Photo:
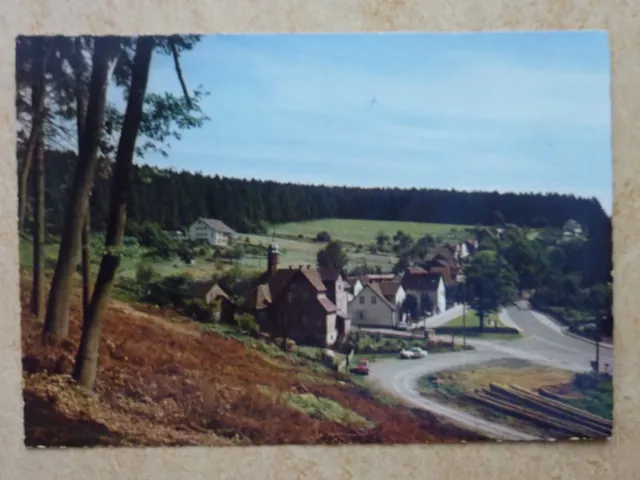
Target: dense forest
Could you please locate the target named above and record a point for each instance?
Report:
(175, 199)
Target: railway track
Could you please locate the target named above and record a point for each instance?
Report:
(563, 419)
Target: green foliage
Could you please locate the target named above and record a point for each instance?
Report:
(490, 283)
(200, 311)
(236, 281)
(168, 291)
(402, 243)
(598, 392)
(145, 273)
(527, 257)
(248, 323)
(129, 289)
(364, 343)
(333, 255)
(383, 242)
(323, 236)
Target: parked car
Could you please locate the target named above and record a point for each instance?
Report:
(419, 352)
(402, 326)
(362, 367)
(406, 354)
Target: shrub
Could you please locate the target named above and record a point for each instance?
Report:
(323, 236)
(131, 288)
(50, 263)
(145, 272)
(200, 311)
(248, 323)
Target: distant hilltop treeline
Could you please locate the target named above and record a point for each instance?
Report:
(175, 199)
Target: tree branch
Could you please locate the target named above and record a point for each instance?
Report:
(176, 61)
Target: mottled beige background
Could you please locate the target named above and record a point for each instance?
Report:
(619, 458)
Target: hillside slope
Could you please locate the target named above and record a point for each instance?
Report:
(166, 382)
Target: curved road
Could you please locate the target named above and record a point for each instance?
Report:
(544, 343)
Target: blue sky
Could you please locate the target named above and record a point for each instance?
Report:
(483, 111)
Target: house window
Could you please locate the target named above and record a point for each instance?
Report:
(362, 300)
(373, 300)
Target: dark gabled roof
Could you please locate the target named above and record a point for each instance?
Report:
(199, 289)
(267, 289)
(389, 288)
(327, 304)
(424, 282)
(217, 225)
(447, 275)
(314, 279)
(415, 271)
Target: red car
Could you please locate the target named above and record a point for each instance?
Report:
(363, 367)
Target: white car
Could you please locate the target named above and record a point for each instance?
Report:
(406, 354)
(419, 352)
(402, 326)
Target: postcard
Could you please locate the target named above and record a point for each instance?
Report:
(273, 239)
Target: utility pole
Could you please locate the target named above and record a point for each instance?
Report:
(598, 333)
(464, 316)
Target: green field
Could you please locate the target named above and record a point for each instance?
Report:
(296, 246)
(364, 231)
(472, 321)
(304, 252)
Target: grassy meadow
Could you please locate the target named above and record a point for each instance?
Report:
(296, 242)
(364, 231)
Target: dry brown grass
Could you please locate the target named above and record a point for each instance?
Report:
(163, 382)
(511, 371)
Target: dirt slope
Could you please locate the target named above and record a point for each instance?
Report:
(167, 383)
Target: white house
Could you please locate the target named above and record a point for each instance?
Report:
(213, 231)
(370, 308)
(427, 285)
(572, 229)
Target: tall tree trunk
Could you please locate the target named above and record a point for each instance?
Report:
(86, 365)
(38, 291)
(79, 68)
(41, 54)
(86, 265)
(105, 53)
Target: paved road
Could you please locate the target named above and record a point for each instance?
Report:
(548, 340)
(400, 378)
(544, 343)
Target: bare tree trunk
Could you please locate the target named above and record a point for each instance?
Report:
(86, 265)
(38, 291)
(41, 56)
(104, 58)
(86, 365)
(79, 68)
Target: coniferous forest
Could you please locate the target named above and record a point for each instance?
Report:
(174, 199)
